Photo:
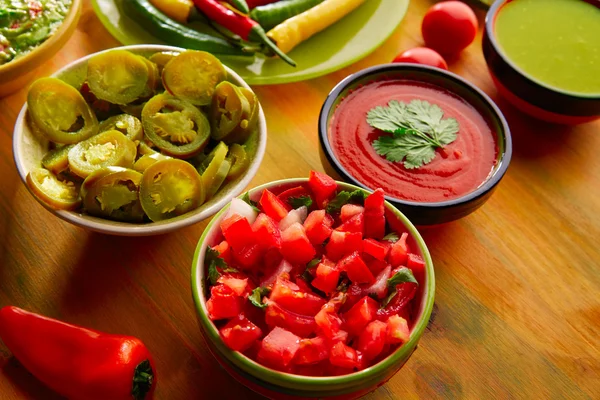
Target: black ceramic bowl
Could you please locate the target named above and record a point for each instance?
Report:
(423, 213)
(527, 94)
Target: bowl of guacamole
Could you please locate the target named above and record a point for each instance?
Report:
(32, 31)
(544, 57)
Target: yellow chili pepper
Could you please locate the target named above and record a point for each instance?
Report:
(295, 30)
(179, 10)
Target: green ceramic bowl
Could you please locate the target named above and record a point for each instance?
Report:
(279, 385)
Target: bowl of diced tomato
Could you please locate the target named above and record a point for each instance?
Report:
(312, 288)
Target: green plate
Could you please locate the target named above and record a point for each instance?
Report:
(343, 43)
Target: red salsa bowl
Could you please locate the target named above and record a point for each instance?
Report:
(544, 57)
(455, 171)
(274, 319)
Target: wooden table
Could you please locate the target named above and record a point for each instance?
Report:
(518, 282)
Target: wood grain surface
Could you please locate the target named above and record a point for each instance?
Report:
(517, 312)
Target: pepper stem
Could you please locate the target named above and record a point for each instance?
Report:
(143, 378)
(262, 37)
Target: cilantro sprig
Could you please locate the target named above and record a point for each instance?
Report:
(216, 266)
(417, 129)
(253, 204)
(403, 275)
(345, 197)
(257, 295)
(297, 202)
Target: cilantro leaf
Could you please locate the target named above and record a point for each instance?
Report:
(391, 237)
(216, 263)
(417, 129)
(345, 197)
(257, 295)
(246, 198)
(313, 263)
(403, 275)
(297, 202)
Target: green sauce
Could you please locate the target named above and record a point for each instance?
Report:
(25, 24)
(555, 42)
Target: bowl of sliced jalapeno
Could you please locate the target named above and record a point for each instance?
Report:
(139, 140)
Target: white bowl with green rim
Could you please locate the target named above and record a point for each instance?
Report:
(280, 385)
(29, 149)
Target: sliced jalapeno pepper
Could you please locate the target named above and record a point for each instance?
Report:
(193, 76)
(147, 160)
(62, 195)
(170, 188)
(117, 76)
(175, 126)
(153, 78)
(145, 148)
(239, 160)
(134, 109)
(213, 173)
(60, 112)
(162, 58)
(113, 192)
(226, 110)
(248, 121)
(106, 149)
(57, 160)
(127, 124)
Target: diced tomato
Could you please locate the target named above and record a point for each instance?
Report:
(375, 215)
(237, 231)
(318, 369)
(312, 351)
(375, 266)
(397, 330)
(344, 356)
(372, 339)
(318, 226)
(295, 246)
(224, 251)
(405, 293)
(266, 232)
(355, 268)
(240, 334)
(303, 286)
(248, 256)
(283, 267)
(295, 192)
(399, 252)
(350, 210)
(380, 287)
(322, 186)
(273, 206)
(279, 347)
(271, 259)
(415, 263)
(329, 322)
(360, 315)
(354, 224)
(223, 303)
(289, 296)
(376, 249)
(238, 286)
(353, 295)
(301, 325)
(327, 276)
(343, 243)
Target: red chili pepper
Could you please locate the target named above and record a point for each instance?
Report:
(239, 24)
(255, 3)
(75, 362)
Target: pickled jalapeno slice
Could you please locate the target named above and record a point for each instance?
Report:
(113, 193)
(106, 149)
(213, 170)
(162, 58)
(249, 119)
(193, 76)
(239, 160)
(147, 160)
(226, 110)
(62, 195)
(117, 76)
(60, 112)
(170, 188)
(153, 78)
(175, 126)
(57, 160)
(127, 124)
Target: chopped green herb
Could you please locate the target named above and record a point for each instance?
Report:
(215, 262)
(313, 263)
(345, 197)
(297, 202)
(417, 129)
(257, 295)
(403, 275)
(246, 198)
(343, 286)
(391, 237)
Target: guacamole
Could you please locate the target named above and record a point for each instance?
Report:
(25, 24)
(555, 42)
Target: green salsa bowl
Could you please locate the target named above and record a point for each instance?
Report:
(544, 57)
(279, 385)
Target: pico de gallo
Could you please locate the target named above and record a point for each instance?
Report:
(25, 24)
(311, 281)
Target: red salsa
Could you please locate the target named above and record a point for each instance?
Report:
(457, 169)
(312, 281)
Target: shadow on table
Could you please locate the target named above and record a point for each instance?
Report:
(104, 268)
(28, 385)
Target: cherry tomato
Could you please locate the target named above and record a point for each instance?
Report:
(449, 27)
(422, 55)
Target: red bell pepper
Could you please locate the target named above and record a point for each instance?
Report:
(240, 24)
(75, 362)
